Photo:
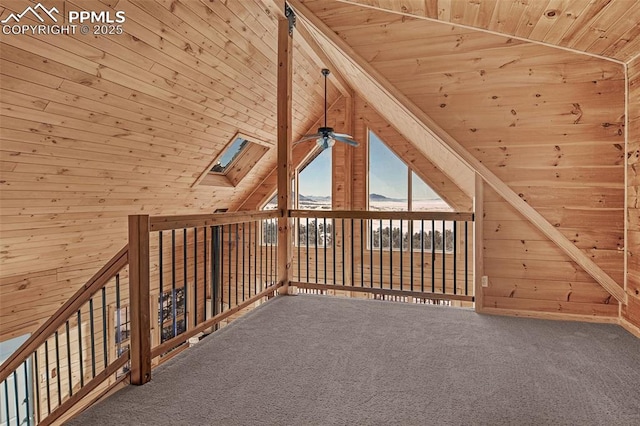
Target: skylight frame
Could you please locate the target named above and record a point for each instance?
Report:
(242, 150)
(255, 146)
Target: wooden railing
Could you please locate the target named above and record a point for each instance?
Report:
(178, 278)
(194, 273)
(423, 255)
(75, 356)
(182, 277)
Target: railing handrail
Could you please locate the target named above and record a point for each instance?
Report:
(384, 215)
(164, 223)
(99, 279)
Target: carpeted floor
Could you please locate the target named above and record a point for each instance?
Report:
(313, 360)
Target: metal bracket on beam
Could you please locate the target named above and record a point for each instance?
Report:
(288, 13)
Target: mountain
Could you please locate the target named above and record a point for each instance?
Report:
(378, 197)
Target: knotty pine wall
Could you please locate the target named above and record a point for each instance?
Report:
(632, 311)
(548, 122)
(94, 128)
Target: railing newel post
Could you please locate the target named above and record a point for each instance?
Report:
(139, 299)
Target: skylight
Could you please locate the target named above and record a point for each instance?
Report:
(230, 154)
(236, 161)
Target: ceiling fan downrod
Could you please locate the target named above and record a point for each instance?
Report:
(325, 73)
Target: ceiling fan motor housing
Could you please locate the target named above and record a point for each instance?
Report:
(325, 130)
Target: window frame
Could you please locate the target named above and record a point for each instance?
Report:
(210, 178)
(409, 195)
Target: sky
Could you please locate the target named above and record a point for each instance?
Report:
(315, 179)
(387, 175)
(230, 152)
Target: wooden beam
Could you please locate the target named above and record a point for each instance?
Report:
(285, 133)
(163, 223)
(309, 45)
(435, 142)
(386, 291)
(139, 299)
(478, 243)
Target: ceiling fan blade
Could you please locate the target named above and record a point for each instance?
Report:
(343, 135)
(348, 141)
(308, 138)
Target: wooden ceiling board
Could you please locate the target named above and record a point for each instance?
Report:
(93, 129)
(600, 27)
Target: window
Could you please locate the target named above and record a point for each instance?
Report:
(272, 204)
(388, 178)
(123, 327)
(172, 309)
(314, 182)
(311, 189)
(122, 322)
(234, 162)
(229, 155)
(393, 186)
(16, 395)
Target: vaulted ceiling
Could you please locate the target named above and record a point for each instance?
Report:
(606, 28)
(96, 127)
(540, 123)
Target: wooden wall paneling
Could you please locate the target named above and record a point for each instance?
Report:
(95, 129)
(631, 312)
(333, 42)
(342, 163)
(478, 244)
(214, 42)
(557, 28)
(612, 21)
(522, 263)
(308, 64)
(301, 110)
(360, 172)
(210, 73)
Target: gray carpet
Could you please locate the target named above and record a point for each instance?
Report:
(314, 360)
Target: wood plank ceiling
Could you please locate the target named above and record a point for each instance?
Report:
(548, 122)
(94, 128)
(606, 28)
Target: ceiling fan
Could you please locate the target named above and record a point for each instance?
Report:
(326, 137)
